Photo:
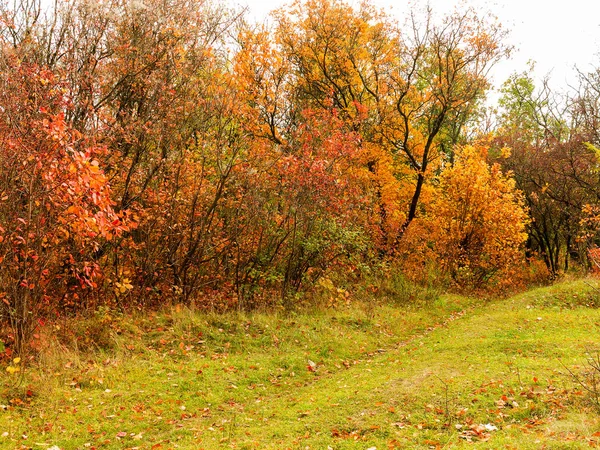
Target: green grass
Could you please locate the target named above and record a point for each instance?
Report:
(451, 373)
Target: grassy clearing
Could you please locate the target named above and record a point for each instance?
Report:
(450, 372)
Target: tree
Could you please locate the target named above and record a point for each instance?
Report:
(408, 92)
(55, 201)
(551, 164)
(481, 218)
(474, 228)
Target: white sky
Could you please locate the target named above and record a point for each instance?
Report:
(556, 34)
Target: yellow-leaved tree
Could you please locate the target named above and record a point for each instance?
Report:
(481, 219)
(475, 226)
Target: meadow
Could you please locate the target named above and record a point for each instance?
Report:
(440, 371)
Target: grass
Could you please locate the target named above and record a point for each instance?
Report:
(452, 372)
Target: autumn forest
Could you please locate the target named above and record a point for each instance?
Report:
(173, 152)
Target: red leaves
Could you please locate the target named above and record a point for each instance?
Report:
(478, 432)
(57, 206)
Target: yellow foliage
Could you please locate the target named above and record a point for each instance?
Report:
(475, 224)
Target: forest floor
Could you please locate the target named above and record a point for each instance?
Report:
(448, 372)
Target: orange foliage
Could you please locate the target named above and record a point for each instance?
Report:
(142, 147)
(55, 201)
(476, 225)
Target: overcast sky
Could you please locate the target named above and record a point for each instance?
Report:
(556, 34)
